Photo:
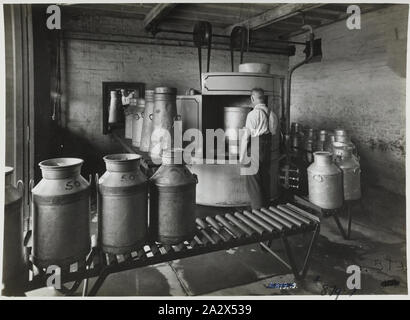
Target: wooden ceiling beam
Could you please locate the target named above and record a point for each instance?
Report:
(157, 13)
(276, 14)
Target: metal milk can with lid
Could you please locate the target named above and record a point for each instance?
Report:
(61, 234)
(129, 117)
(234, 119)
(325, 182)
(138, 122)
(148, 121)
(114, 108)
(351, 175)
(123, 193)
(172, 200)
(165, 113)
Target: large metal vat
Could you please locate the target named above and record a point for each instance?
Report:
(325, 182)
(15, 272)
(351, 175)
(172, 200)
(254, 67)
(124, 204)
(147, 123)
(222, 185)
(138, 122)
(61, 234)
(234, 119)
(165, 113)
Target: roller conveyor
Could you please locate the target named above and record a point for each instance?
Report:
(214, 233)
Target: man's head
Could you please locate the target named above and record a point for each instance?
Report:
(257, 96)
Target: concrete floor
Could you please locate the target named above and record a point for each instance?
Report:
(378, 246)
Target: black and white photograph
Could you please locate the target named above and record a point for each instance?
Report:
(239, 150)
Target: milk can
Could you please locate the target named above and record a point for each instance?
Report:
(325, 182)
(137, 123)
(343, 141)
(351, 175)
(234, 119)
(113, 109)
(165, 113)
(61, 234)
(321, 141)
(309, 144)
(172, 200)
(129, 117)
(124, 209)
(296, 137)
(147, 123)
(15, 272)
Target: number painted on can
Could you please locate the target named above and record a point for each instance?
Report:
(71, 184)
(126, 177)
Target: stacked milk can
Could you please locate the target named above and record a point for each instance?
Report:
(153, 121)
(334, 175)
(132, 210)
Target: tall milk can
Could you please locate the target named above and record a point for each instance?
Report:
(147, 123)
(165, 113)
(61, 234)
(172, 200)
(137, 122)
(124, 208)
(351, 174)
(15, 272)
(234, 120)
(129, 118)
(325, 182)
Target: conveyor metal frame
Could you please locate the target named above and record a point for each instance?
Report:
(235, 232)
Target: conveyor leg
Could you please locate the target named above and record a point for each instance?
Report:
(100, 280)
(290, 258)
(309, 251)
(299, 275)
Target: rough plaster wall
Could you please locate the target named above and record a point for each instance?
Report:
(360, 85)
(88, 63)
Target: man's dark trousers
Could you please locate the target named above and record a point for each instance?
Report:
(258, 184)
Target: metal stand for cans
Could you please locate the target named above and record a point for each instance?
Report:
(214, 233)
(347, 206)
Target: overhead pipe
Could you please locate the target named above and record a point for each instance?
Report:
(256, 39)
(288, 85)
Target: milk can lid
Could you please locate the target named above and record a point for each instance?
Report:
(141, 103)
(8, 170)
(340, 132)
(166, 90)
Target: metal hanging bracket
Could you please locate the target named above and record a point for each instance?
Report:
(238, 39)
(202, 36)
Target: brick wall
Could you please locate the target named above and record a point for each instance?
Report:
(360, 85)
(88, 63)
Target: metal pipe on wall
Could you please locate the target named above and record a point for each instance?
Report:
(288, 86)
(182, 43)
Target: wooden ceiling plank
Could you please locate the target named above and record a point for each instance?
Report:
(271, 16)
(157, 13)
